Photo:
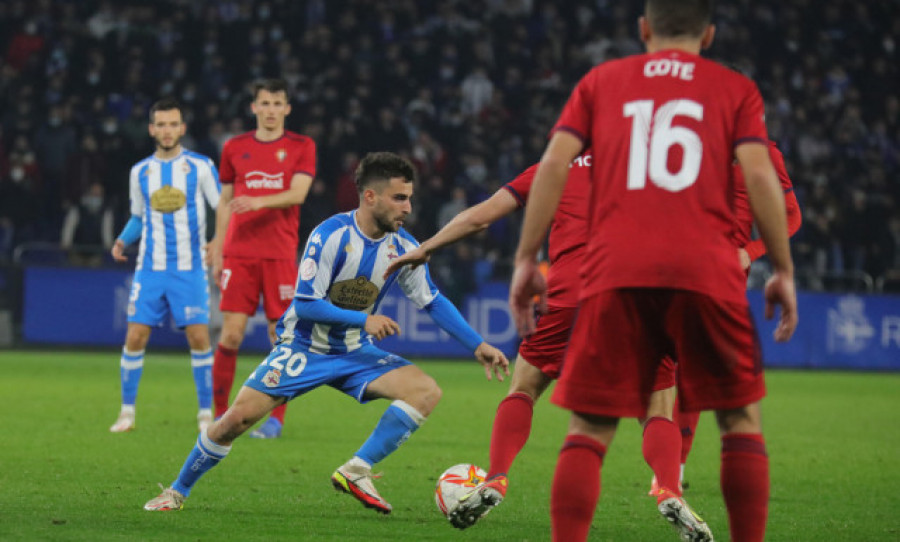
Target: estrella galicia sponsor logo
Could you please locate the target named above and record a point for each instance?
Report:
(849, 330)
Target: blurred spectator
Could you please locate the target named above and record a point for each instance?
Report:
(85, 167)
(87, 231)
(477, 91)
(19, 206)
(24, 46)
(450, 209)
(468, 90)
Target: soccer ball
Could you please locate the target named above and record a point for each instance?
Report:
(456, 482)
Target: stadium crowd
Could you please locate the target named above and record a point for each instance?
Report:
(466, 89)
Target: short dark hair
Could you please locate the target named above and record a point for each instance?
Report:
(273, 85)
(166, 104)
(673, 18)
(382, 166)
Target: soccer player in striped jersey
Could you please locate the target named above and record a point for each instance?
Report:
(169, 192)
(326, 337)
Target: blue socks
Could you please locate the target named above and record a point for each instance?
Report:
(201, 366)
(131, 366)
(205, 455)
(396, 425)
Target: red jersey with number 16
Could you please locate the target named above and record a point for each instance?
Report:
(259, 168)
(568, 231)
(662, 129)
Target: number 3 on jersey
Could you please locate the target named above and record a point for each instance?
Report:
(652, 135)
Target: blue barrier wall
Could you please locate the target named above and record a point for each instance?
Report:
(87, 307)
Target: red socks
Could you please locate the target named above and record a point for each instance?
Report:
(512, 425)
(688, 422)
(576, 488)
(745, 485)
(662, 442)
(278, 413)
(224, 362)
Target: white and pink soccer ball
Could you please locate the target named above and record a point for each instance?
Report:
(456, 482)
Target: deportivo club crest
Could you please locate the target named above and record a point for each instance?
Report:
(272, 378)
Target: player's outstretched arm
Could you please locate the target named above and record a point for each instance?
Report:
(493, 360)
(473, 220)
(447, 317)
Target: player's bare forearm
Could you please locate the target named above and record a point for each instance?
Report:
(767, 203)
(473, 220)
(546, 191)
(295, 195)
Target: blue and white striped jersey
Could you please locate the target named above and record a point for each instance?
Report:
(344, 267)
(168, 196)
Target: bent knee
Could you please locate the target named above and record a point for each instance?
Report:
(231, 339)
(426, 396)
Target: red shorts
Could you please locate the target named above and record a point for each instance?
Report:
(546, 347)
(621, 337)
(244, 279)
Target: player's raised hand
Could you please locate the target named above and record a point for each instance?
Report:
(527, 282)
(244, 204)
(780, 291)
(493, 360)
(413, 258)
(380, 326)
(118, 251)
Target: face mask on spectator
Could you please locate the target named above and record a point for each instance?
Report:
(93, 204)
(476, 172)
(110, 127)
(54, 121)
(17, 174)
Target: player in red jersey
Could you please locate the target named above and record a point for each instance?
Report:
(661, 276)
(265, 176)
(540, 354)
(748, 252)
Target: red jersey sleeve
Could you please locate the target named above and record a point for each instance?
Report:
(751, 120)
(520, 187)
(578, 111)
(226, 169)
(306, 163)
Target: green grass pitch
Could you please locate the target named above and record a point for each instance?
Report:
(833, 439)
